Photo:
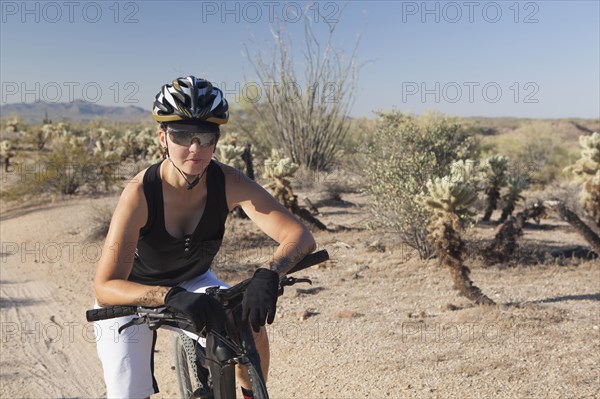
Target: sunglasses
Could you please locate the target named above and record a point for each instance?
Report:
(186, 138)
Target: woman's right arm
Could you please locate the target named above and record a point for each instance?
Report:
(116, 261)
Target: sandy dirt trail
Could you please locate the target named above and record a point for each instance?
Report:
(47, 346)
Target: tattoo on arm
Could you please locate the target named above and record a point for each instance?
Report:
(153, 297)
(285, 263)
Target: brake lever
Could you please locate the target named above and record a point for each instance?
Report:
(286, 281)
(133, 322)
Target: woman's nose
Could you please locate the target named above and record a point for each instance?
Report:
(195, 145)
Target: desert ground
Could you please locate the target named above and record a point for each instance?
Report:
(379, 323)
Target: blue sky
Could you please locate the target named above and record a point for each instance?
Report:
(538, 59)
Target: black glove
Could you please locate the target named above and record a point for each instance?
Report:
(260, 298)
(202, 309)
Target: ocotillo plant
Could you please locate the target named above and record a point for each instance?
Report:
(494, 178)
(516, 185)
(449, 201)
(587, 172)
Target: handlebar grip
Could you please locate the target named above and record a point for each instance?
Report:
(110, 312)
(310, 260)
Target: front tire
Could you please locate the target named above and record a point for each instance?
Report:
(258, 383)
(191, 376)
(252, 363)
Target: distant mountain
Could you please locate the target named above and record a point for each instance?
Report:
(77, 110)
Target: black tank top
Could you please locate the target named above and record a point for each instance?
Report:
(162, 259)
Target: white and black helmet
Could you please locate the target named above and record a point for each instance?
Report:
(190, 98)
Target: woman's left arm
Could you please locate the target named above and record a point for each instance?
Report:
(294, 238)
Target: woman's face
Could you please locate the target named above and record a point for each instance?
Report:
(190, 150)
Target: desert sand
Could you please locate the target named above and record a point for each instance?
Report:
(380, 323)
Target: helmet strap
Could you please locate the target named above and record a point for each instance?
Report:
(190, 184)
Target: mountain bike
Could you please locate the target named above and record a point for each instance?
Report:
(207, 370)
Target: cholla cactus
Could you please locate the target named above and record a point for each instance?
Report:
(231, 155)
(246, 159)
(505, 244)
(40, 136)
(494, 177)
(277, 169)
(449, 201)
(106, 155)
(155, 152)
(587, 172)
(13, 125)
(230, 138)
(139, 145)
(61, 129)
(105, 141)
(128, 146)
(6, 152)
(148, 144)
(516, 185)
(456, 192)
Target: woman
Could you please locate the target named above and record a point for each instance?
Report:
(166, 230)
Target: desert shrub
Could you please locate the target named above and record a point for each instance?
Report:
(359, 132)
(79, 157)
(65, 170)
(535, 149)
(406, 152)
(107, 154)
(69, 166)
(38, 136)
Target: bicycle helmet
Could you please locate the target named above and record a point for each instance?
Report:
(190, 99)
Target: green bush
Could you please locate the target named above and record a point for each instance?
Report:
(406, 152)
(535, 150)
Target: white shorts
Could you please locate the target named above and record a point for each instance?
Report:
(128, 358)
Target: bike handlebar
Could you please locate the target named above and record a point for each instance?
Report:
(111, 312)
